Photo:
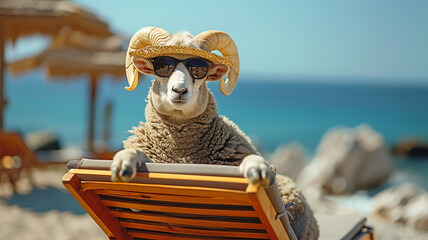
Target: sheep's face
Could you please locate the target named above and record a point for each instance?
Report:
(180, 95)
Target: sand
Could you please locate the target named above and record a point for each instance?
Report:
(23, 223)
(18, 223)
(26, 223)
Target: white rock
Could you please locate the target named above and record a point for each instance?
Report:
(405, 204)
(390, 202)
(289, 160)
(348, 160)
(416, 212)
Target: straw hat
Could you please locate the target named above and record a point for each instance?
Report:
(150, 42)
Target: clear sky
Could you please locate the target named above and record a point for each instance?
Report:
(386, 39)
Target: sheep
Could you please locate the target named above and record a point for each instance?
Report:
(182, 124)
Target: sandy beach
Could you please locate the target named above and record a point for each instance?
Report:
(20, 219)
(20, 223)
(35, 219)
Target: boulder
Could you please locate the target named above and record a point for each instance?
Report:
(348, 160)
(389, 203)
(289, 160)
(416, 212)
(405, 204)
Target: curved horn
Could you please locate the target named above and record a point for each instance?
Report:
(218, 40)
(147, 36)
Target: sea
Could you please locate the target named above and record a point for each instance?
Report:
(273, 111)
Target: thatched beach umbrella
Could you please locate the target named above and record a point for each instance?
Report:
(75, 54)
(27, 17)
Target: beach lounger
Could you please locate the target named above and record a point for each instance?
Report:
(16, 156)
(189, 201)
(12, 144)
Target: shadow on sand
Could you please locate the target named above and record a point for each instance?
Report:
(43, 200)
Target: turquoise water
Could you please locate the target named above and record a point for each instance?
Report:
(270, 112)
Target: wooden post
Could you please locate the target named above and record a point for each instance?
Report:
(2, 91)
(92, 102)
(107, 123)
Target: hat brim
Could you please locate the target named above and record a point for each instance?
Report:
(150, 52)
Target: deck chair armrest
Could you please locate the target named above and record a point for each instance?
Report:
(176, 168)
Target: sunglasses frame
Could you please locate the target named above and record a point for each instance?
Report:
(184, 61)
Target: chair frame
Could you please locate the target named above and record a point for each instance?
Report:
(367, 233)
(11, 145)
(89, 195)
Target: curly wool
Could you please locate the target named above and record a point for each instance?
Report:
(212, 139)
(206, 139)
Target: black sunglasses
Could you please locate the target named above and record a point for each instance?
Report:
(165, 65)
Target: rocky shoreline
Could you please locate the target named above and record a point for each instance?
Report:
(353, 160)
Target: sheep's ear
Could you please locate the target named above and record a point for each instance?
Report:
(143, 65)
(217, 72)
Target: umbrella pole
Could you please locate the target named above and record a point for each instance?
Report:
(93, 96)
(2, 93)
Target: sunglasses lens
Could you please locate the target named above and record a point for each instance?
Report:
(164, 66)
(198, 68)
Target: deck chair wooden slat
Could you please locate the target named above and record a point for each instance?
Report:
(190, 219)
(197, 230)
(162, 189)
(143, 234)
(167, 179)
(148, 177)
(127, 203)
(172, 198)
(190, 205)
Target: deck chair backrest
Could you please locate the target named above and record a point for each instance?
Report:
(12, 144)
(181, 202)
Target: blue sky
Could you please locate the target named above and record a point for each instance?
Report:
(385, 39)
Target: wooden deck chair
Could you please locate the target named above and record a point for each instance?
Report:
(16, 156)
(183, 201)
(12, 144)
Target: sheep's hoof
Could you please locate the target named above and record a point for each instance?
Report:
(262, 176)
(126, 172)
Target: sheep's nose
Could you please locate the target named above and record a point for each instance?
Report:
(180, 91)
